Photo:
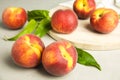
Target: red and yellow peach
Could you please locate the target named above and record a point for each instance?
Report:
(59, 58)
(14, 17)
(27, 51)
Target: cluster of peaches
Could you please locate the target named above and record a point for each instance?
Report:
(29, 51)
(102, 20)
(60, 57)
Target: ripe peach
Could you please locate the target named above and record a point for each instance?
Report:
(64, 21)
(104, 20)
(14, 17)
(59, 58)
(27, 50)
(84, 8)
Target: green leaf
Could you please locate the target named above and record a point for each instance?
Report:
(29, 28)
(43, 27)
(38, 14)
(86, 59)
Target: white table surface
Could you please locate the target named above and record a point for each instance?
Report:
(109, 60)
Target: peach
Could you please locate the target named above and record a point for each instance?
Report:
(59, 58)
(84, 8)
(14, 17)
(64, 21)
(27, 50)
(104, 20)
